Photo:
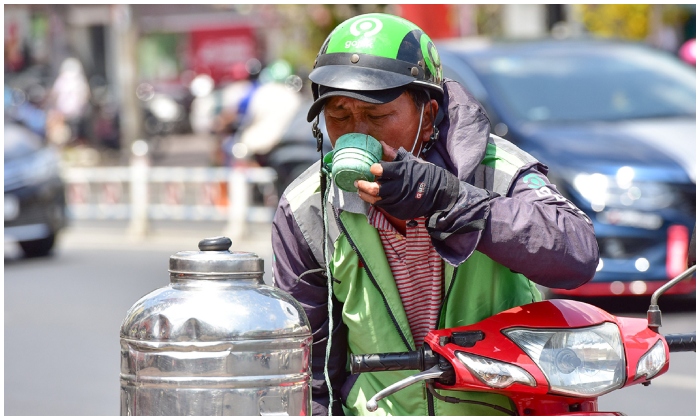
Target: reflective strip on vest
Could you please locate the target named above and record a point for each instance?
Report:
(304, 197)
(502, 162)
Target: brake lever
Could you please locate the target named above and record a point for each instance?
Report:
(432, 373)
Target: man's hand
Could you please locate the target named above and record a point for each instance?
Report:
(407, 188)
(369, 191)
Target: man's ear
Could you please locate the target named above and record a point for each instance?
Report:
(429, 114)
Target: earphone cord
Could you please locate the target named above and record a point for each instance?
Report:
(324, 195)
(325, 188)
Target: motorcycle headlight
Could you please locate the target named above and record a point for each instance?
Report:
(494, 373)
(584, 362)
(651, 363)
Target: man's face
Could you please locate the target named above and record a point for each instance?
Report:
(395, 123)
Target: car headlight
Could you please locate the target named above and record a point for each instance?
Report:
(494, 373)
(651, 363)
(584, 362)
(622, 191)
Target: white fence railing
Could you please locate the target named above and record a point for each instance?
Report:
(140, 193)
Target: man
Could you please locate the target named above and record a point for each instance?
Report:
(453, 229)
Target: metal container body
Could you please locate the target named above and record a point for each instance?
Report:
(215, 386)
(215, 344)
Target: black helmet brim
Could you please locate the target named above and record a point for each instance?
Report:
(372, 96)
(358, 78)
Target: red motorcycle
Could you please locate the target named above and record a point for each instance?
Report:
(553, 357)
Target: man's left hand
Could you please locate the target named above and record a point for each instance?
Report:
(408, 188)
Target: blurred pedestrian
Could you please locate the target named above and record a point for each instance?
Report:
(261, 116)
(269, 110)
(69, 99)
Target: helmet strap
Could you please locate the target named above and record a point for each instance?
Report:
(435, 135)
(420, 125)
(318, 135)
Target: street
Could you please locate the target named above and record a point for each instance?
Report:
(63, 313)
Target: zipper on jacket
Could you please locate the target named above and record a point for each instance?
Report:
(372, 279)
(431, 401)
(444, 299)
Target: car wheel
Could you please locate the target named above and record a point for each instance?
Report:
(39, 247)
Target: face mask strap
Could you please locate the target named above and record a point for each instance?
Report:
(420, 125)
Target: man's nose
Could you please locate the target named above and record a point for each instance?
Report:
(360, 125)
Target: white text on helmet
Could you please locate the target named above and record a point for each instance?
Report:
(362, 43)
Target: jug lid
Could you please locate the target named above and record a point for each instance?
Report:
(214, 258)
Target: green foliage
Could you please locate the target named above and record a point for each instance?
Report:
(630, 21)
(488, 19)
(625, 21)
(316, 22)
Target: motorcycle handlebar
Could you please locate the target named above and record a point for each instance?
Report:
(680, 342)
(412, 360)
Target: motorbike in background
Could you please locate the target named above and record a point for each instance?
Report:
(555, 357)
(165, 109)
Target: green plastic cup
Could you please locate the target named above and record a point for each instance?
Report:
(353, 154)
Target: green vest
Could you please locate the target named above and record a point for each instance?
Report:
(372, 307)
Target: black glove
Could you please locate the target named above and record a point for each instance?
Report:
(412, 188)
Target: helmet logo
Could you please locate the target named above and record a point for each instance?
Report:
(366, 27)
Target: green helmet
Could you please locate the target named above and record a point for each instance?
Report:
(374, 57)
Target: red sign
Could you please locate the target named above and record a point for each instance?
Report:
(222, 52)
(437, 20)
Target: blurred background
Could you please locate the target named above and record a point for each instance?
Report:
(133, 131)
(146, 71)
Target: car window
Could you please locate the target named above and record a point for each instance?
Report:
(613, 84)
(464, 75)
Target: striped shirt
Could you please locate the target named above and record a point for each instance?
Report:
(417, 270)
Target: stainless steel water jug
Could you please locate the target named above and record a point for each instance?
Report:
(216, 341)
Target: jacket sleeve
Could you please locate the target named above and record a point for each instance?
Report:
(533, 230)
(296, 271)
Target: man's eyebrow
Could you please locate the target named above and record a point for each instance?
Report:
(340, 106)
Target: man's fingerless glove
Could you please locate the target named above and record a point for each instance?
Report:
(411, 188)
